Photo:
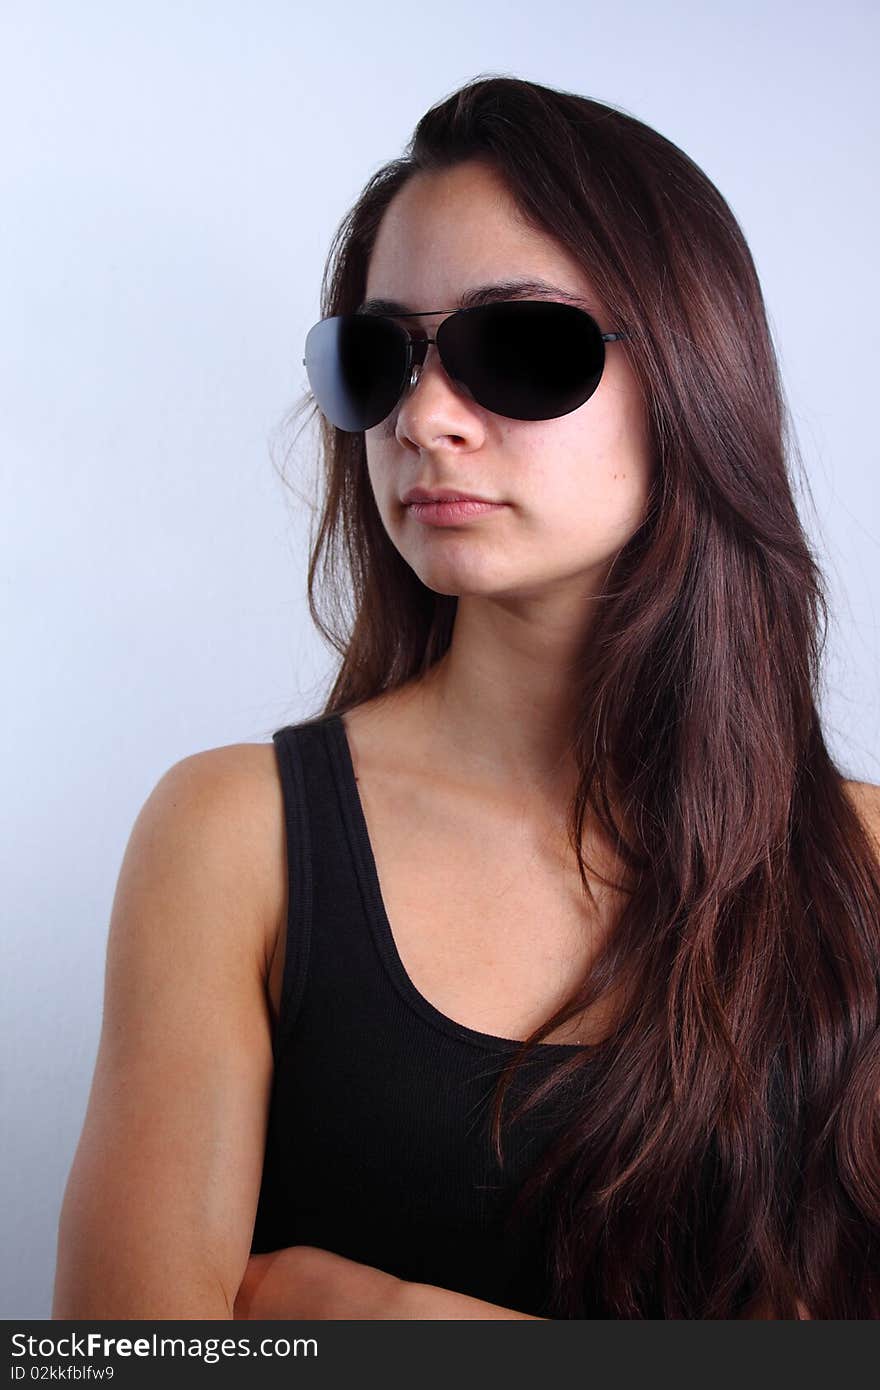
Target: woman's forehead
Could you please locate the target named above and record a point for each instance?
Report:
(454, 239)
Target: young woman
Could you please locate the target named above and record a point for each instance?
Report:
(537, 975)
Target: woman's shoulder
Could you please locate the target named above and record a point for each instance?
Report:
(865, 797)
(238, 787)
(240, 778)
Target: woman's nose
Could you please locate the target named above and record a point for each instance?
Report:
(434, 404)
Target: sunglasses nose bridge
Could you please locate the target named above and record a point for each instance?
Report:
(418, 351)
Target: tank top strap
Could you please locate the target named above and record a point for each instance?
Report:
(298, 927)
(329, 949)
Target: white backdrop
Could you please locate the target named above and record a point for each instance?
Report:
(171, 179)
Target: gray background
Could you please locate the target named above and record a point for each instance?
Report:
(171, 178)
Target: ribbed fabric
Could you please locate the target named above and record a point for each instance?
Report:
(378, 1142)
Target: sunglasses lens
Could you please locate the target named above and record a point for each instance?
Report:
(526, 359)
(356, 365)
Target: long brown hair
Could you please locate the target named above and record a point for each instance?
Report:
(727, 1149)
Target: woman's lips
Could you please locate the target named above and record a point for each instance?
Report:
(451, 513)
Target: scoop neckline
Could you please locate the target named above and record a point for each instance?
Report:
(384, 936)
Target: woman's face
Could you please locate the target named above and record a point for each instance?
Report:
(575, 488)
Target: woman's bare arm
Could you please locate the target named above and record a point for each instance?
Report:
(158, 1211)
(306, 1282)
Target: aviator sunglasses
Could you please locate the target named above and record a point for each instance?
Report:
(527, 359)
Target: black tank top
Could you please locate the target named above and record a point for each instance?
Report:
(378, 1143)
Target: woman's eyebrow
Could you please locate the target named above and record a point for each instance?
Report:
(482, 294)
